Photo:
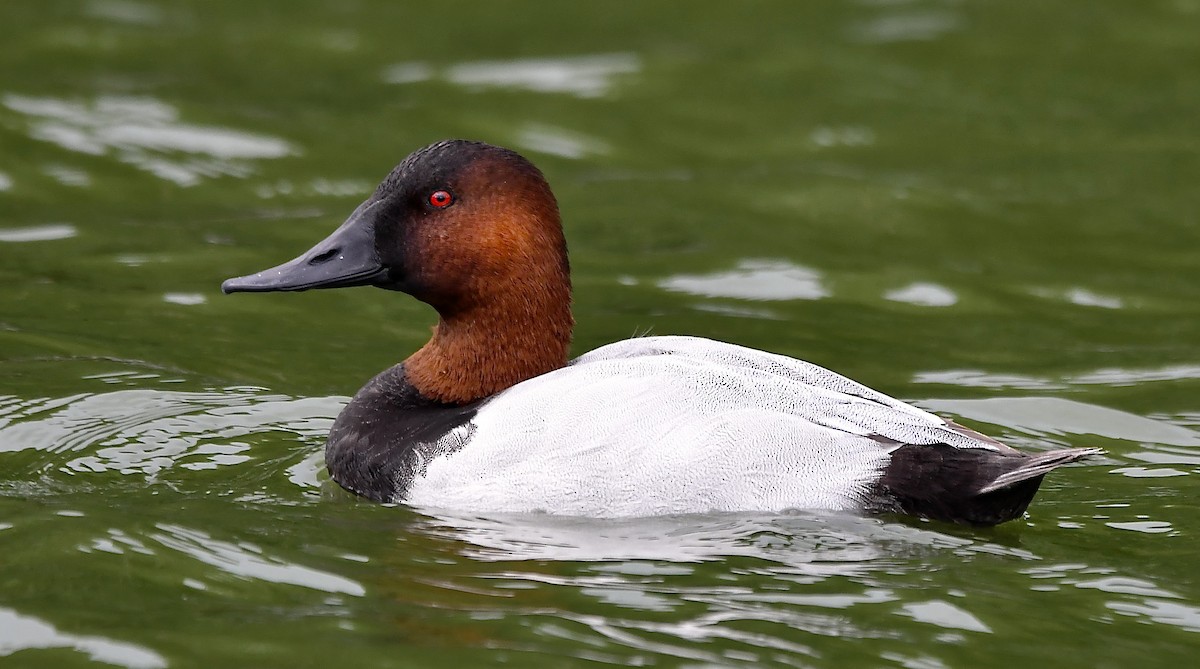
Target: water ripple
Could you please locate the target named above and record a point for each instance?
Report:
(582, 76)
(20, 632)
(1108, 376)
(776, 583)
(923, 294)
(909, 26)
(809, 543)
(38, 233)
(148, 134)
(559, 141)
(753, 279)
(126, 11)
(150, 431)
(1055, 415)
(249, 561)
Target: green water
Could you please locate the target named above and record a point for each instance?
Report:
(990, 209)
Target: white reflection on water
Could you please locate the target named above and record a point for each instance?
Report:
(1144, 526)
(582, 76)
(1054, 415)
(1087, 298)
(1125, 586)
(906, 26)
(126, 11)
(185, 299)
(753, 279)
(116, 542)
(408, 73)
(944, 614)
(1171, 613)
(923, 294)
(1082, 297)
(974, 378)
(829, 136)
(249, 561)
(38, 233)
(1139, 596)
(319, 186)
(148, 134)
(559, 141)
(1109, 376)
(68, 176)
(20, 632)
(737, 311)
(1116, 376)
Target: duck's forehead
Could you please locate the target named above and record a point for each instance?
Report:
(435, 165)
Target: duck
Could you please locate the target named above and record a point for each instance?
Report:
(492, 415)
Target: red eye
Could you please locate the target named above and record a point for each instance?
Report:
(440, 199)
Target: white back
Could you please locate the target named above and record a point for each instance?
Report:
(661, 425)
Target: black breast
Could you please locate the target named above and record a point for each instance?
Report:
(386, 435)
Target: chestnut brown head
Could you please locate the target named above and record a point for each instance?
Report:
(453, 224)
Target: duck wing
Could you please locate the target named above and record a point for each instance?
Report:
(827, 398)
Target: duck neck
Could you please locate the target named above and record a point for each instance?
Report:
(495, 344)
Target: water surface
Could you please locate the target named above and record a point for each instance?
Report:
(988, 210)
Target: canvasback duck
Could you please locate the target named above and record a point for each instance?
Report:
(491, 415)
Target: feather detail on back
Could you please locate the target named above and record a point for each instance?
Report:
(826, 397)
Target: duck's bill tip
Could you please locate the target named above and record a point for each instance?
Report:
(300, 275)
(244, 284)
(267, 281)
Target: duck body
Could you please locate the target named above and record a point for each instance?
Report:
(491, 417)
(675, 425)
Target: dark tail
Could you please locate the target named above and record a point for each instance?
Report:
(1036, 466)
(974, 486)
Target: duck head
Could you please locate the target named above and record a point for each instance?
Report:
(472, 230)
(452, 222)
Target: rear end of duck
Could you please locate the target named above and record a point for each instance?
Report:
(967, 486)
